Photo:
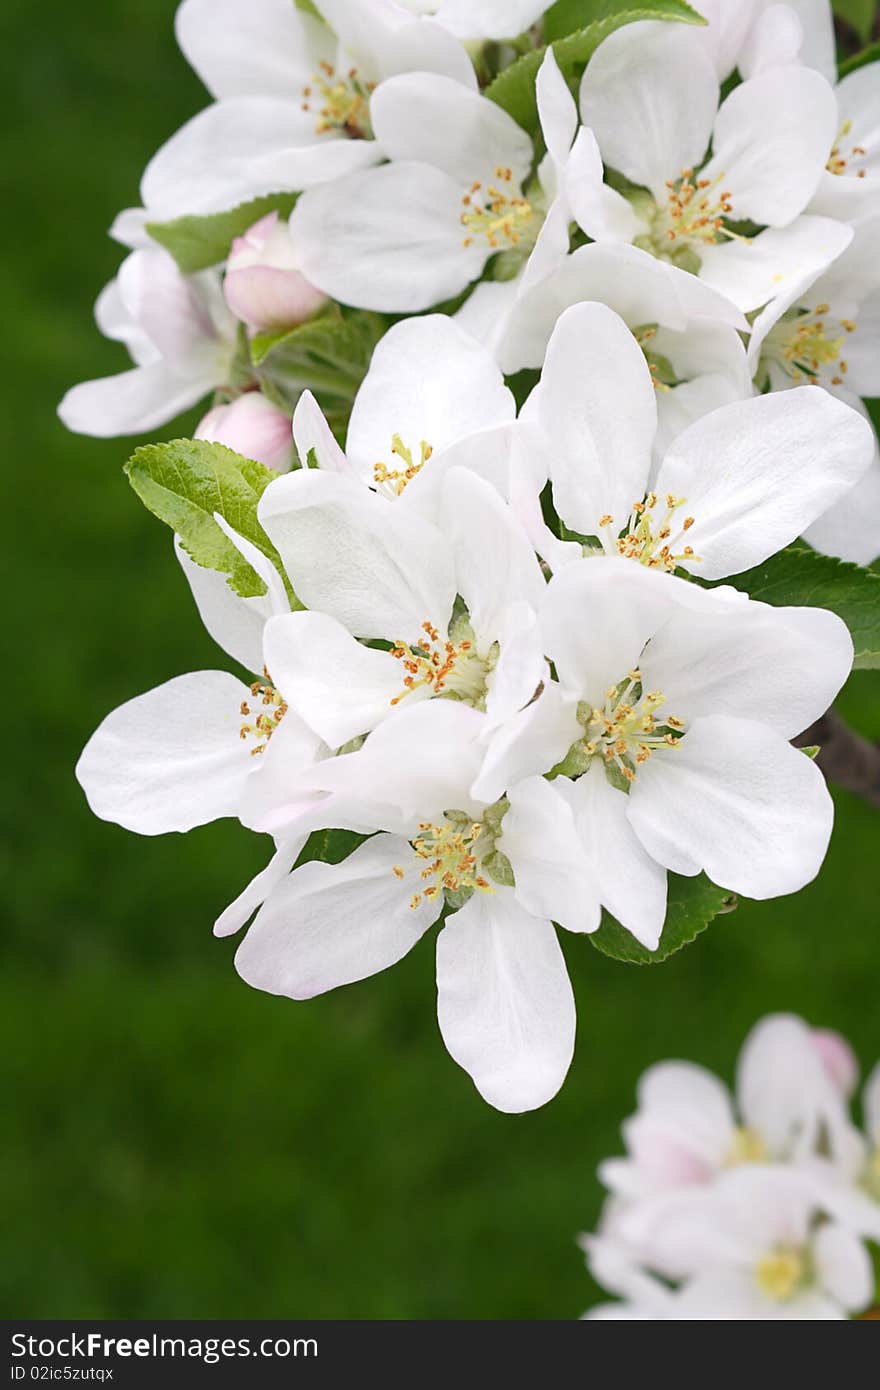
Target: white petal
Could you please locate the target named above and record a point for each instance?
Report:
(520, 668)
(552, 873)
(136, 401)
(784, 1092)
(851, 528)
(170, 759)
(239, 913)
(843, 1267)
(597, 407)
(774, 40)
(389, 239)
(495, 564)
(741, 803)
(556, 109)
(488, 19)
(251, 47)
(236, 624)
(691, 1104)
(749, 273)
(727, 24)
(629, 883)
(756, 473)
(243, 148)
(332, 924)
(650, 95)
(528, 744)
(598, 209)
(817, 24)
(504, 1001)
(782, 666)
(433, 120)
(871, 1106)
(430, 383)
(339, 687)
(376, 568)
(311, 432)
(385, 40)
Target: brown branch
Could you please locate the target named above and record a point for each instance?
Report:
(846, 758)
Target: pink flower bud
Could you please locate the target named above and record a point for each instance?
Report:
(253, 427)
(838, 1059)
(263, 286)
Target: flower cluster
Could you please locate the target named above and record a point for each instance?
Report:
(752, 1206)
(469, 557)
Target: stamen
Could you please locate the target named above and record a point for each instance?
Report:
(808, 344)
(394, 481)
(269, 717)
(840, 159)
(781, 1273)
(341, 102)
(626, 731)
(430, 664)
(650, 538)
(496, 212)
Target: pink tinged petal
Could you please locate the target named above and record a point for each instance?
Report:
(236, 624)
(749, 273)
(756, 473)
(552, 872)
(239, 913)
(356, 251)
(838, 1059)
(430, 383)
(243, 148)
(843, 1267)
(772, 178)
(691, 1105)
(436, 121)
(597, 409)
(332, 924)
(251, 47)
(556, 109)
(129, 227)
(736, 800)
(311, 432)
(252, 427)
(136, 401)
(171, 308)
(271, 300)
(782, 666)
(115, 320)
(629, 883)
(171, 759)
(495, 564)
(785, 1093)
(376, 568)
(339, 687)
(528, 744)
(650, 95)
(504, 1001)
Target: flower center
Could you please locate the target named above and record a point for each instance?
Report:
(340, 102)
(694, 215)
(393, 481)
(497, 212)
(445, 665)
(458, 856)
(651, 535)
(840, 157)
(268, 713)
(747, 1147)
(661, 369)
(780, 1273)
(806, 343)
(624, 732)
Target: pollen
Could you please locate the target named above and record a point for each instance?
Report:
(696, 211)
(340, 103)
(449, 854)
(265, 711)
(652, 535)
(394, 481)
(843, 157)
(431, 663)
(498, 212)
(780, 1273)
(809, 345)
(628, 730)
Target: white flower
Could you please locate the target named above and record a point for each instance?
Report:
(687, 331)
(651, 99)
(475, 20)
(687, 1129)
(733, 488)
(825, 330)
(252, 427)
(760, 1244)
(179, 332)
(292, 96)
(417, 230)
(505, 1005)
(454, 603)
(685, 701)
(263, 285)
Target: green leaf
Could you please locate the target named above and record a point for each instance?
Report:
(308, 8)
(692, 904)
(801, 577)
(199, 242)
(328, 355)
(185, 482)
(514, 88)
(330, 846)
(871, 54)
(861, 14)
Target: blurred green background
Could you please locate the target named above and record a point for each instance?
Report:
(177, 1145)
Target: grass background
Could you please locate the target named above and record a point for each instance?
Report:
(176, 1144)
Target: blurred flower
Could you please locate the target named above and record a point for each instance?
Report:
(263, 285)
(253, 427)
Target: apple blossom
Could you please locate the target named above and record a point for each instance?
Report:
(475, 20)
(252, 427)
(179, 333)
(651, 101)
(292, 96)
(732, 489)
(263, 285)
